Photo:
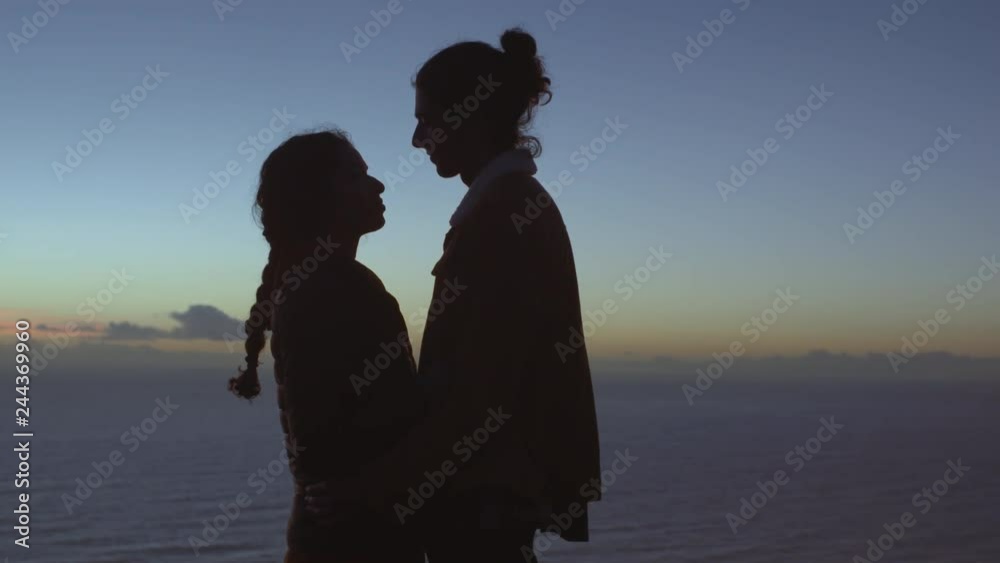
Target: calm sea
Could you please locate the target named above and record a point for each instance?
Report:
(694, 466)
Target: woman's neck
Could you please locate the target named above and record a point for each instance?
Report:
(320, 249)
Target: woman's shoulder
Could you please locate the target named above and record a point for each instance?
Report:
(342, 289)
(365, 278)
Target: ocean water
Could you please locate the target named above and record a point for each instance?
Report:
(693, 465)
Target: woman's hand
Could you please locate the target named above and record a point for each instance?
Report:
(341, 500)
(327, 499)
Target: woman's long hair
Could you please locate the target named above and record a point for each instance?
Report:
(290, 206)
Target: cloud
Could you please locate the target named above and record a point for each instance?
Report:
(198, 322)
(130, 331)
(203, 321)
(81, 328)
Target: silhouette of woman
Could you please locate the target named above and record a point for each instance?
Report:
(328, 315)
(510, 445)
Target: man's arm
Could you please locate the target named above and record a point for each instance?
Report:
(493, 324)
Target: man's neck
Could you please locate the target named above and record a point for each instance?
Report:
(472, 172)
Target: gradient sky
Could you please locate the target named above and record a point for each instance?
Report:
(654, 185)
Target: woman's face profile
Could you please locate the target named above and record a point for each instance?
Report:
(357, 206)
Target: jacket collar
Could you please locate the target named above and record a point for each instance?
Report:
(514, 160)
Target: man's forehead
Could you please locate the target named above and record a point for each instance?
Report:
(423, 103)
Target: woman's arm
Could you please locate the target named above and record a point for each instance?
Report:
(314, 372)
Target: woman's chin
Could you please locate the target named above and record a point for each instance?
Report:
(377, 223)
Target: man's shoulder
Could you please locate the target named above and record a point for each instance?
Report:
(519, 201)
(515, 186)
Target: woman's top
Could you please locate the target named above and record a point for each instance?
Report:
(347, 388)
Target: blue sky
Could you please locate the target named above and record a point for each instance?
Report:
(655, 184)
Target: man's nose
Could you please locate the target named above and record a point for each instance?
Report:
(416, 138)
(379, 186)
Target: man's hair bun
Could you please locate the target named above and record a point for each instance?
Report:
(518, 44)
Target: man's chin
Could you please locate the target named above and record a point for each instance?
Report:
(446, 172)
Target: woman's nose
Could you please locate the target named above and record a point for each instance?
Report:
(379, 186)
